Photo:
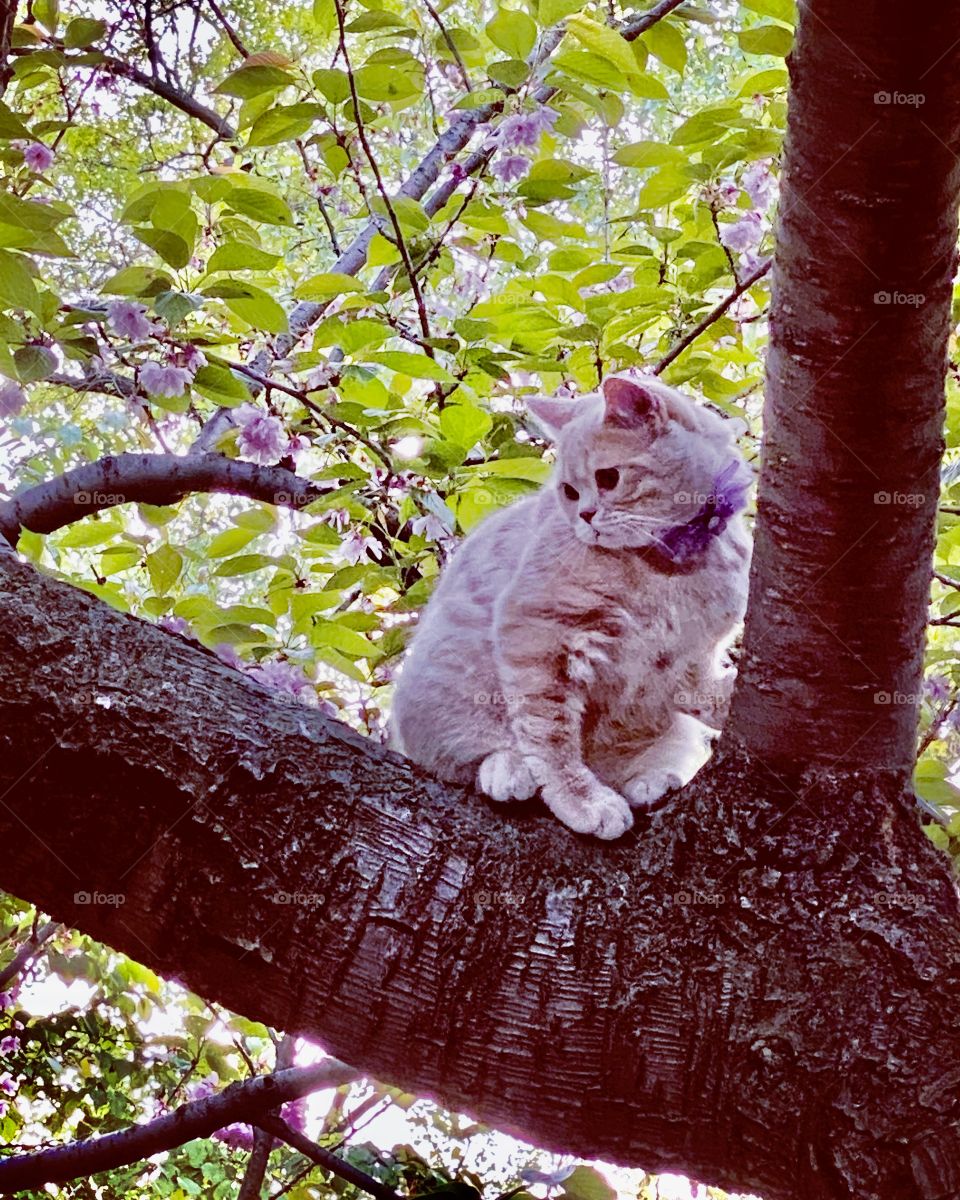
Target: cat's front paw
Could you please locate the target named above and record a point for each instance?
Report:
(504, 775)
(598, 810)
(646, 790)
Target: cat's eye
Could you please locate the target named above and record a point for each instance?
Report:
(607, 478)
(571, 493)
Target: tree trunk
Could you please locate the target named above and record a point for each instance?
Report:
(757, 987)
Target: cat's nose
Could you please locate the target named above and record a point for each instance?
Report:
(587, 514)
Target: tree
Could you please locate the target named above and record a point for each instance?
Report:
(756, 987)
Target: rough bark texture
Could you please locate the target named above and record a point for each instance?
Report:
(758, 986)
(761, 1000)
(862, 280)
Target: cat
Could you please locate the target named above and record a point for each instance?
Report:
(575, 643)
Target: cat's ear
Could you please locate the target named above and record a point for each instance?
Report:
(552, 413)
(630, 404)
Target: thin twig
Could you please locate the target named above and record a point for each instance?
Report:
(28, 951)
(451, 44)
(324, 1158)
(229, 30)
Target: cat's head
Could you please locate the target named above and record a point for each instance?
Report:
(634, 459)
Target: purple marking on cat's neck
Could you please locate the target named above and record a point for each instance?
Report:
(728, 496)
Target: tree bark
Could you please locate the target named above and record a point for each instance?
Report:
(862, 283)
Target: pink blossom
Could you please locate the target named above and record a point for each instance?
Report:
(9, 1044)
(164, 379)
(4, 1108)
(7, 1086)
(524, 129)
(319, 377)
(297, 445)
(129, 320)
(355, 548)
(202, 1088)
(12, 398)
(38, 157)
(759, 184)
(284, 677)
(191, 358)
(339, 518)
(6, 1000)
(176, 625)
(294, 1112)
(457, 173)
(744, 234)
(237, 1137)
(226, 653)
(511, 168)
(261, 436)
(429, 526)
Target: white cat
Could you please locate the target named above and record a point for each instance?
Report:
(576, 641)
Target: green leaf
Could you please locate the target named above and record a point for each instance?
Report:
(229, 542)
(513, 32)
(464, 424)
(648, 154)
(244, 564)
(416, 365)
(164, 566)
(665, 41)
(586, 1183)
(334, 84)
(34, 363)
(17, 289)
(247, 81)
(340, 637)
(11, 125)
(781, 10)
(252, 304)
(774, 79)
(602, 40)
(327, 285)
(283, 124)
(663, 187)
(260, 205)
(381, 83)
(766, 39)
(83, 31)
(241, 256)
(137, 281)
(552, 11)
(508, 72)
(170, 246)
(220, 385)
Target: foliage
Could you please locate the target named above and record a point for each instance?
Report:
(186, 250)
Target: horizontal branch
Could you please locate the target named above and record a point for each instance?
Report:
(246, 1102)
(173, 95)
(149, 479)
(657, 1001)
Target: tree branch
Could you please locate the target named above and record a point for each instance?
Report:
(712, 317)
(331, 1162)
(173, 95)
(244, 1102)
(27, 952)
(148, 479)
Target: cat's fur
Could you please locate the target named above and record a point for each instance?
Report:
(569, 654)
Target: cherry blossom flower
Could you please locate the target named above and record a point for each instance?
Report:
(237, 1137)
(357, 548)
(38, 157)
(7, 1085)
(320, 377)
(525, 128)
(429, 526)
(227, 654)
(759, 184)
(936, 688)
(192, 358)
(284, 677)
(510, 168)
(9, 1044)
(744, 234)
(12, 398)
(176, 625)
(128, 319)
(164, 379)
(296, 445)
(261, 435)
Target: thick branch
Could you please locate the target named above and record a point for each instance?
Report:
(659, 1002)
(246, 1102)
(173, 95)
(148, 479)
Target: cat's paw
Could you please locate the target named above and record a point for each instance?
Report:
(504, 775)
(645, 791)
(600, 810)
